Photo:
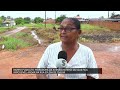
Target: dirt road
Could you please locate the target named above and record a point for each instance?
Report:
(107, 57)
(13, 31)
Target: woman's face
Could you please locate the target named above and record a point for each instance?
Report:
(68, 31)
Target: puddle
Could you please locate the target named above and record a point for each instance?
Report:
(35, 36)
(114, 49)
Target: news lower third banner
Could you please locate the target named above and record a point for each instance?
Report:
(56, 70)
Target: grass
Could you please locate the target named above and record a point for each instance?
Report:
(88, 27)
(40, 25)
(19, 40)
(13, 43)
(4, 29)
(84, 27)
(90, 34)
(53, 37)
(24, 39)
(21, 34)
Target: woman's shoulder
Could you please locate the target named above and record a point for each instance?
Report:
(54, 45)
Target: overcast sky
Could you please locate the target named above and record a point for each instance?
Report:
(51, 14)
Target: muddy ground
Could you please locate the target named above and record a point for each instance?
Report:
(106, 54)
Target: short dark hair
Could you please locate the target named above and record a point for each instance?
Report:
(76, 22)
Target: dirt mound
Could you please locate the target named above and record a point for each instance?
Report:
(104, 36)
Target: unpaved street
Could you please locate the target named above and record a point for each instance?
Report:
(13, 31)
(107, 57)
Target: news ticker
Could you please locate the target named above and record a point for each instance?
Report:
(56, 70)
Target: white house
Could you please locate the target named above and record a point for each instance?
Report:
(81, 19)
(9, 22)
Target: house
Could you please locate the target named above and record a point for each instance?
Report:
(95, 19)
(50, 21)
(82, 20)
(115, 18)
(8, 22)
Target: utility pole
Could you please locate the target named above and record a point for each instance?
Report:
(45, 19)
(55, 22)
(108, 14)
(55, 17)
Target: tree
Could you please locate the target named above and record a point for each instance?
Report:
(60, 19)
(19, 20)
(0, 21)
(3, 18)
(38, 20)
(102, 17)
(27, 20)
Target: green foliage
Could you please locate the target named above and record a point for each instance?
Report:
(22, 34)
(13, 43)
(19, 20)
(60, 19)
(2, 29)
(3, 17)
(0, 21)
(88, 27)
(39, 25)
(38, 20)
(27, 20)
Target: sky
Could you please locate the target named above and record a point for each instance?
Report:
(51, 14)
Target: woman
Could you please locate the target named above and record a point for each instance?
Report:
(78, 55)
